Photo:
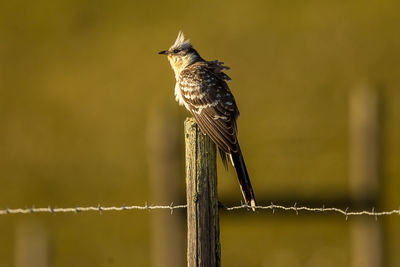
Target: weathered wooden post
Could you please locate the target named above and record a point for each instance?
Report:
(203, 247)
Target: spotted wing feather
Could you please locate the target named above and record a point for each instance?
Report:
(206, 95)
(208, 98)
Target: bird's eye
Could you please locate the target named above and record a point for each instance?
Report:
(176, 51)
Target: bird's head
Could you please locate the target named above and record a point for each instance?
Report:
(181, 54)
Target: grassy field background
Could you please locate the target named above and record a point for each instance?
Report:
(79, 78)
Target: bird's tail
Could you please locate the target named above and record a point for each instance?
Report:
(244, 180)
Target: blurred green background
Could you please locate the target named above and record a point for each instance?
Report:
(79, 78)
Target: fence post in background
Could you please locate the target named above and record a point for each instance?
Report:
(366, 234)
(203, 247)
(31, 245)
(167, 240)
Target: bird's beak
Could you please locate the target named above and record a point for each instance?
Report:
(165, 52)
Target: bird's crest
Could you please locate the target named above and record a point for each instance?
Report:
(180, 42)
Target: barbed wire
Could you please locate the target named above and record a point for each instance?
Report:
(98, 208)
(173, 207)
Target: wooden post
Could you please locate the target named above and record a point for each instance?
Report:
(365, 233)
(165, 186)
(203, 247)
(31, 245)
(364, 168)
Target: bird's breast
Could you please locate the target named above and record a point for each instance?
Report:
(178, 94)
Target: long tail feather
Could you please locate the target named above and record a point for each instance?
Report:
(244, 179)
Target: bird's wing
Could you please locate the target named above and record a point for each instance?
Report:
(209, 99)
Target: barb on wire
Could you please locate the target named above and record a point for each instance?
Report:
(99, 208)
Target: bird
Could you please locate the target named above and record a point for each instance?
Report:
(201, 87)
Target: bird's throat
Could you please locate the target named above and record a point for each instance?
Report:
(179, 63)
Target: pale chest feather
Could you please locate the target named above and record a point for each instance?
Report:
(178, 95)
(179, 98)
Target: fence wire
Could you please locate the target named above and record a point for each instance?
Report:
(173, 207)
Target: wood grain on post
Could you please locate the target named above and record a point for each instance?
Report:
(203, 247)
